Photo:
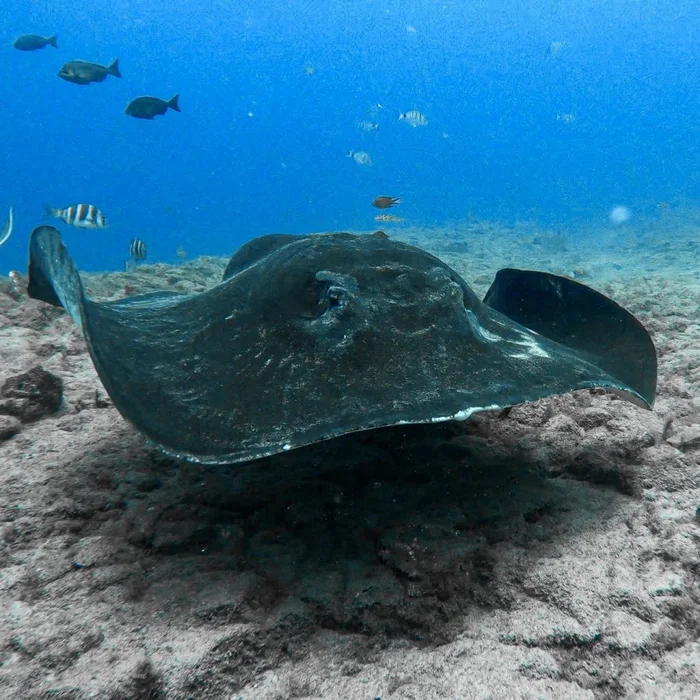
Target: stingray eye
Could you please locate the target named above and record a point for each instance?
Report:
(335, 296)
(331, 296)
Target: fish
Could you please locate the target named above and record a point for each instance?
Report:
(7, 229)
(137, 249)
(80, 215)
(367, 126)
(181, 252)
(83, 73)
(567, 118)
(387, 217)
(137, 253)
(16, 278)
(375, 108)
(32, 42)
(413, 118)
(360, 157)
(555, 48)
(384, 202)
(18, 283)
(148, 107)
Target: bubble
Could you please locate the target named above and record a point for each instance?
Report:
(620, 215)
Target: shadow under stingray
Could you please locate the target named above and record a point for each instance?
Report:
(396, 532)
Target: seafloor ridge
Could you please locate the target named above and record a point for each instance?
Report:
(546, 551)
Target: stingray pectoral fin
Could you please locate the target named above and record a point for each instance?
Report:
(253, 251)
(53, 277)
(580, 318)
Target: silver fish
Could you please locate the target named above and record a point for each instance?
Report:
(360, 157)
(80, 215)
(555, 47)
(7, 228)
(367, 126)
(414, 118)
(18, 284)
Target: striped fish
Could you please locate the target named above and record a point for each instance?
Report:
(80, 215)
(414, 118)
(360, 157)
(137, 249)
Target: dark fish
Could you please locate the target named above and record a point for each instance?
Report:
(80, 215)
(137, 249)
(384, 202)
(149, 107)
(32, 42)
(83, 73)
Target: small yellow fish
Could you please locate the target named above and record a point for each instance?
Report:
(387, 217)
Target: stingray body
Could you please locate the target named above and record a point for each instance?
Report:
(311, 337)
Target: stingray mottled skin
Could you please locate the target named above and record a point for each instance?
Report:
(311, 337)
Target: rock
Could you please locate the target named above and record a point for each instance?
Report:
(31, 395)
(9, 427)
(561, 423)
(593, 417)
(687, 439)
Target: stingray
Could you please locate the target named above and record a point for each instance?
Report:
(310, 337)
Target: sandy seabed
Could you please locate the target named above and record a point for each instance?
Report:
(549, 551)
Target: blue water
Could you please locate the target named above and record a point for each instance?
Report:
(213, 176)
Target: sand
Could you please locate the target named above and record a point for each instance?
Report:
(549, 551)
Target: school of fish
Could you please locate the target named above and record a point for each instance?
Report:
(147, 107)
(78, 72)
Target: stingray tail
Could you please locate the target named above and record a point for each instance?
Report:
(6, 231)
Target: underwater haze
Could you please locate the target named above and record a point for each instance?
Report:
(548, 111)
